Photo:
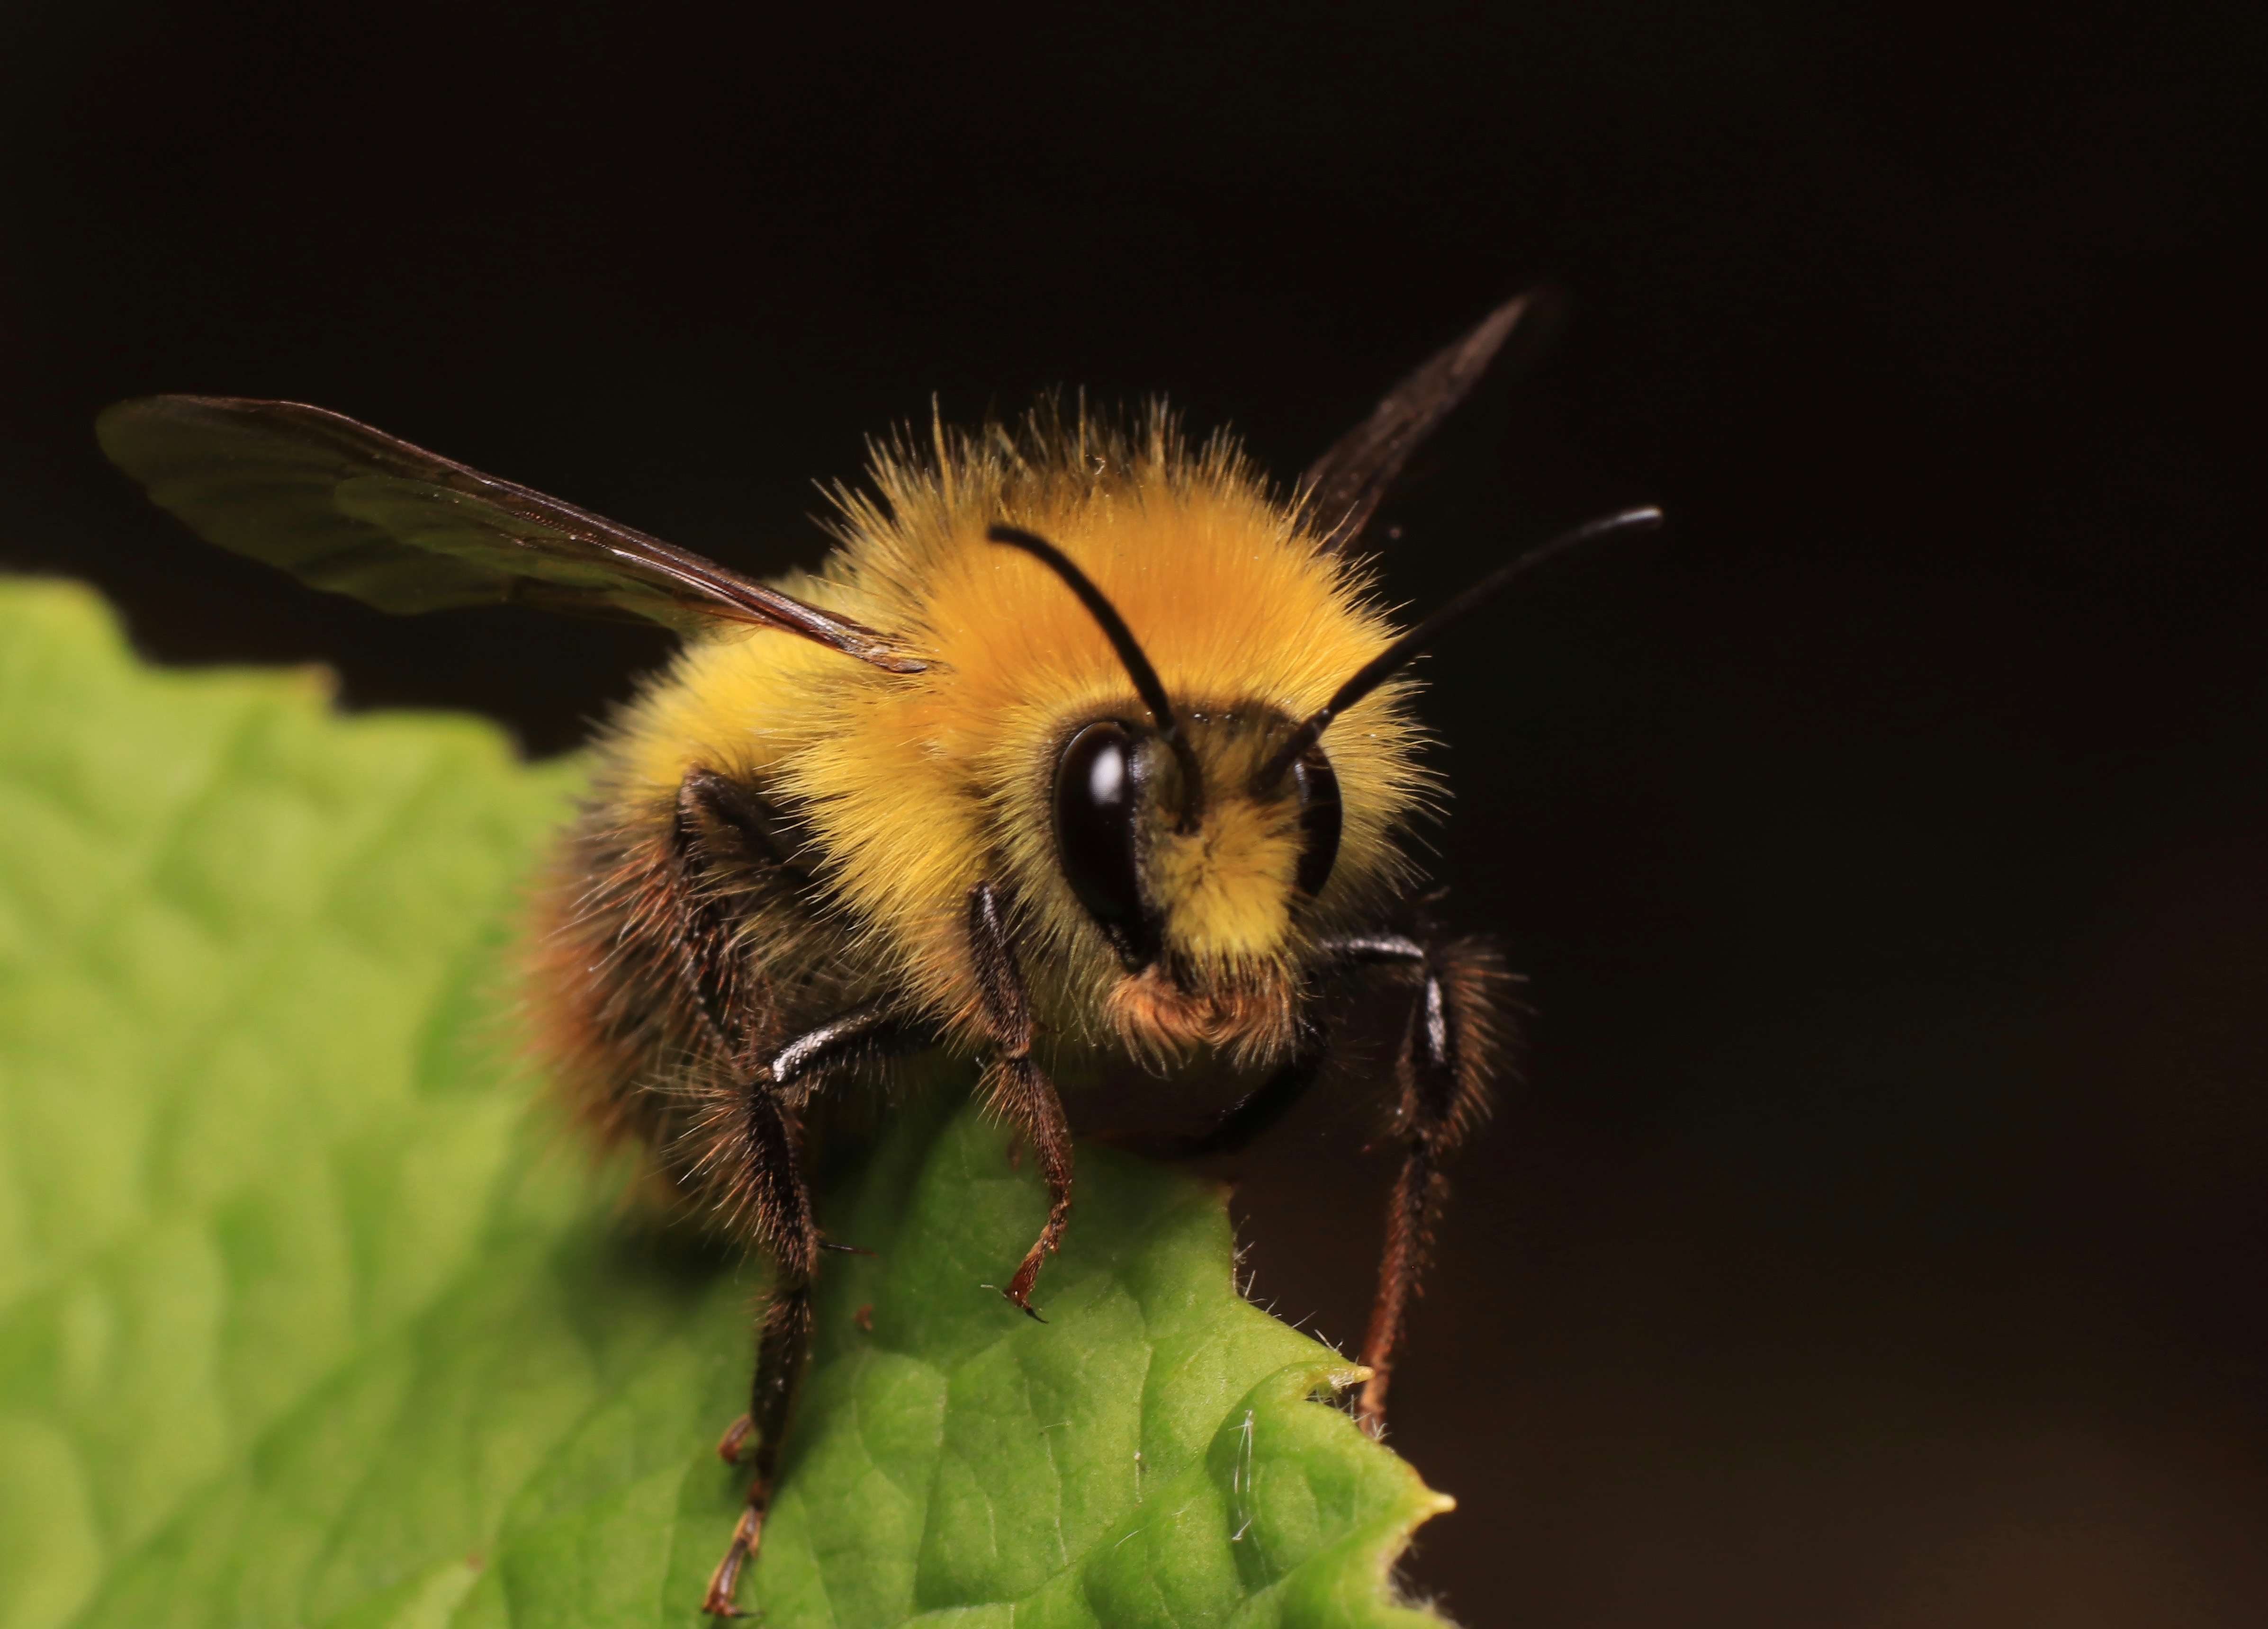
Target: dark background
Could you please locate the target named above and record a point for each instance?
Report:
(1876, 1238)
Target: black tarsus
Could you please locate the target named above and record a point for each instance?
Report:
(1382, 666)
(1147, 683)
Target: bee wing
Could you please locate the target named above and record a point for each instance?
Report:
(347, 508)
(1345, 486)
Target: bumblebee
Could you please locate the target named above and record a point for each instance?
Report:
(1084, 746)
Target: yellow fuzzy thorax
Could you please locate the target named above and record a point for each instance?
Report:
(916, 787)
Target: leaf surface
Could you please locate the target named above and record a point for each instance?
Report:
(308, 1318)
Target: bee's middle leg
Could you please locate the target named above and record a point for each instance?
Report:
(773, 1190)
(775, 1193)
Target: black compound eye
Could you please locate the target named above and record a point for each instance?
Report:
(1321, 817)
(1095, 799)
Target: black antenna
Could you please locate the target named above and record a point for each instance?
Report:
(1381, 667)
(1129, 655)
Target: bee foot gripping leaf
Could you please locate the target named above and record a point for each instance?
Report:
(1160, 1452)
(305, 1321)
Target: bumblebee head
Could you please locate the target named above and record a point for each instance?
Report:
(1194, 838)
(1174, 844)
(1189, 837)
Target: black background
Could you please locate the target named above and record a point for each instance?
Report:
(1876, 1239)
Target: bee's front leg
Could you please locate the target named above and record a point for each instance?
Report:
(1020, 1090)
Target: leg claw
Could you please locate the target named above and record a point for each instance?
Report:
(719, 1602)
(735, 1437)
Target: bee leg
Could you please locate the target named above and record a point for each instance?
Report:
(722, 826)
(735, 1438)
(1021, 1092)
(1454, 1047)
(875, 1027)
(776, 1195)
(1253, 1117)
(1256, 1115)
(767, 1170)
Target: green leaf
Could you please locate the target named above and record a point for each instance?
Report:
(308, 1318)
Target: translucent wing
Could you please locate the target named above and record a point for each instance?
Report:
(1346, 485)
(347, 508)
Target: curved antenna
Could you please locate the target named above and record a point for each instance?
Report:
(1382, 666)
(1137, 666)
